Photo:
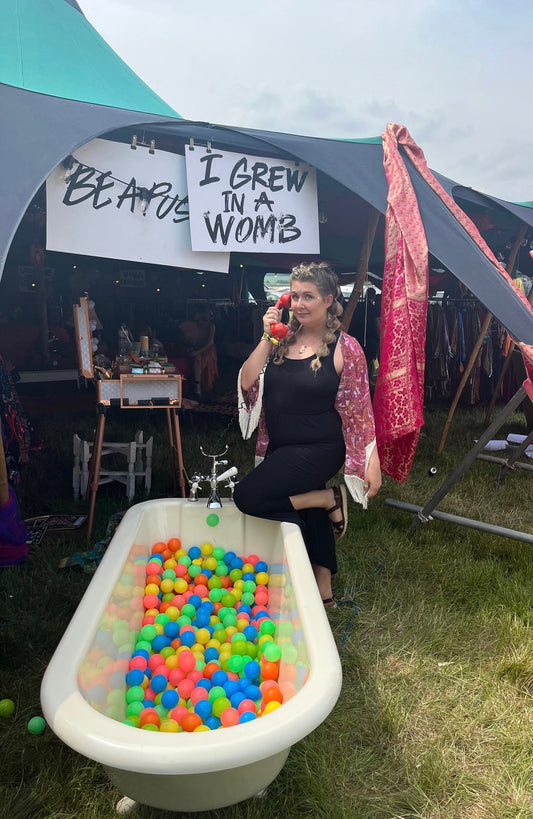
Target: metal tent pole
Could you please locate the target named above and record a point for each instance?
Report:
(424, 513)
(472, 524)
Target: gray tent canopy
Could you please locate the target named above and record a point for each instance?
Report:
(40, 130)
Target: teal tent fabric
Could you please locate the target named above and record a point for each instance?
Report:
(49, 46)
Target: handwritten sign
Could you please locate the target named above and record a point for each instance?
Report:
(249, 203)
(118, 203)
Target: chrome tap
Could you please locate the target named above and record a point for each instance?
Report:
(193, 491)
(213, 500)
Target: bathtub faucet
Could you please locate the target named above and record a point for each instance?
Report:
(213, 501)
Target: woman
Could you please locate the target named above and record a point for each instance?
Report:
(200, 335)
(316, 416)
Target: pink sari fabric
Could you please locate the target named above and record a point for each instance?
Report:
(399, 393)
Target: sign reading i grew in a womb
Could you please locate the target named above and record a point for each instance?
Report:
(249, 203)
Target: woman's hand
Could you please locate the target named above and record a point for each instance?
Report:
(271, 317)
(372, 483)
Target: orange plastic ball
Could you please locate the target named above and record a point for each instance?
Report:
(158, 548)
(190, 722)
(269, 671)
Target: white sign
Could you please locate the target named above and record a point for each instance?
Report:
(250, 203)
(120, 203)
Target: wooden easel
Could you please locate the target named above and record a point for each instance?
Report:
(134, 385)
(128, 392)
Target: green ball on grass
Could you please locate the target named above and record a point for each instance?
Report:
(6, 708)
(36, 725)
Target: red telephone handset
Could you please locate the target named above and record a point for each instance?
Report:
(278, 329)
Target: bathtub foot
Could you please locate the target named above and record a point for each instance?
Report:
(261, 794)
(125, 805)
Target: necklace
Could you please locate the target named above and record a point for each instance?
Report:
(302, 349)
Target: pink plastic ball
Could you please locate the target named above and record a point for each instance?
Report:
(155, 661)
(176, 676)
(185, 688)
(229, 717)
(246, 705)
(138, 662)
(186, 660)
(197, 694)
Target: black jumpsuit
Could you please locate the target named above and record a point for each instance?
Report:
(306, 449)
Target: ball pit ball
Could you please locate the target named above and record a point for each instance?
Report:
(212, 519)
(205, 655)
(7, 707)
(36, 725)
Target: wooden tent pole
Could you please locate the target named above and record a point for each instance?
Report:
(484, 328)
(505, 367)
(362, 267)
(4, 486)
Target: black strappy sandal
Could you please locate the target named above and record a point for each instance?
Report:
(341, 502)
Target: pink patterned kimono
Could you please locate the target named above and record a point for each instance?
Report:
(353, 404)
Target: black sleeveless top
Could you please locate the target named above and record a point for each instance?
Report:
(299, 402)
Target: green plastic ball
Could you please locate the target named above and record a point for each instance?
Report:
(212, 520)
(6, 708)
(36, 725)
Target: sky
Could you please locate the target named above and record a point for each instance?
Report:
(454, 72)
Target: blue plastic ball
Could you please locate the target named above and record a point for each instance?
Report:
(195, 600)
(188, 638)
(134, 677)
(213, 723)
(202, 619)
(169, 699)
(247, 716)
(252, 692)
(252, 670)
(159, 642)
(236, 699)
(250, 632)
(231, 687)
(171, 629)
(194, 552)
(210, 653)
(261, 566)
(204, 683)
(219, 677)
(204, 709)
(158, 683)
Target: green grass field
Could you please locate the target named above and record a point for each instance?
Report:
(435, 718)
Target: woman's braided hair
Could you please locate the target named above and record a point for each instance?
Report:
(326, 281)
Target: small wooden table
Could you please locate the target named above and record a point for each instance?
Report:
(163, 392)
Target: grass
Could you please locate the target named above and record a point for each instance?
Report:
(435, 717)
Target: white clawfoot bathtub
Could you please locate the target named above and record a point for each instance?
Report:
(83, 690)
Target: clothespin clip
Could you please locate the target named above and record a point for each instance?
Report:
(152, 147)
(133, 145)
(191, 144)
